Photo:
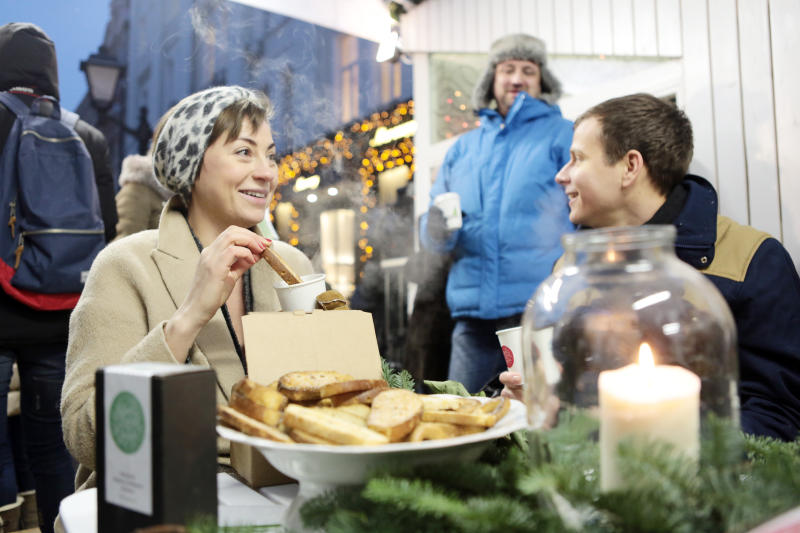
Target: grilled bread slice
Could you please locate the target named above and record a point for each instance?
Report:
(449, 403)
(440, 430)
(395, 413)
(306, 385)
(264, 395)
(298, 435)
(245, 405)
(364, 398)
(353, 385)
(280, 267)
(241, 422)
(486, 415)
(343, 414)
(324, 425)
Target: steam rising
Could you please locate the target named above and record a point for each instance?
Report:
(293, 62)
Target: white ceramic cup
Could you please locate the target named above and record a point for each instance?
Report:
(511, 344)
(450, 204)
(301, 296)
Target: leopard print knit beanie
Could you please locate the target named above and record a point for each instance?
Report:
(184, 137)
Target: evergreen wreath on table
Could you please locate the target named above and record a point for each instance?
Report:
(549, 482)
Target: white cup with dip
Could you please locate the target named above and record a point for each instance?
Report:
(511, 344)
(301, 296)
(450, 204)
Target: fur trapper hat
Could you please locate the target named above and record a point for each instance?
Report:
(516, 46)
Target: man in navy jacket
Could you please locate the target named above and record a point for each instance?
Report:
(628, 164)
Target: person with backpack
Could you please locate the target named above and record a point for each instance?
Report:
(34, 308)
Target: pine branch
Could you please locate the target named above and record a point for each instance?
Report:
(553, 486)
(395, 379)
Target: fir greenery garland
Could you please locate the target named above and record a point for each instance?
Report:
(550, 483)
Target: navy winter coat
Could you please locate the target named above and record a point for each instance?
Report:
(755, 274)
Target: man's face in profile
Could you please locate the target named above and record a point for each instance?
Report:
(513, 76)
(593, 186)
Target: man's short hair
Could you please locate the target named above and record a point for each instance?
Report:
(655, 128)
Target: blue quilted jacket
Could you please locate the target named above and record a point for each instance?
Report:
(514, 213)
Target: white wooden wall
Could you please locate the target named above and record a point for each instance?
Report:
(739, 84)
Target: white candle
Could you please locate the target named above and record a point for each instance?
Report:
(646, 402)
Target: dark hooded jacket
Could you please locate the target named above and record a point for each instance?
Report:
(28, 60)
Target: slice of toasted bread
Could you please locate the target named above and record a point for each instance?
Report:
(321, 424)
(240, 422)
(306, 385)
(357, 409)
(395, 413)
(248, 407)
(307, 438)
(449, 403)
(264, 395)
(353, 385)
(433, 431)
(280, 267)
(365, 397)
(497, 410)
(343, 414)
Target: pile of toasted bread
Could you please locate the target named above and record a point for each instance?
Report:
(327, 407)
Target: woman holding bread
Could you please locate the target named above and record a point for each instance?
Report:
(177, 294)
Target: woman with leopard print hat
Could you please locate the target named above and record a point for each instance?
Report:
(167, 294)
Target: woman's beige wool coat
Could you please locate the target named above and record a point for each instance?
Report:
(134, 287)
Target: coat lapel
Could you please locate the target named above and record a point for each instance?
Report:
(176, 258)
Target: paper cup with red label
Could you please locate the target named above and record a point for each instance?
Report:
(511, 344)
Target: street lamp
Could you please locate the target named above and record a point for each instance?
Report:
(103, 73)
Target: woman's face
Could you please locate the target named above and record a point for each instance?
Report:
(236, 180)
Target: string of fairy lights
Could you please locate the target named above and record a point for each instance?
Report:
(352, 144)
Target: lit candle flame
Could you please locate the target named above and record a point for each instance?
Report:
(646, 359)
(611, 255)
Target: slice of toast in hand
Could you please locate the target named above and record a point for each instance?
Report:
(279, 265)
(395, 413)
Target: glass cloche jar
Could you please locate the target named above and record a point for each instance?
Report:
(620, 294)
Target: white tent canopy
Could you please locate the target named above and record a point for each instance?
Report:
(368, 19)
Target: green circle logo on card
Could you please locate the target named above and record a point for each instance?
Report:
(126, 421)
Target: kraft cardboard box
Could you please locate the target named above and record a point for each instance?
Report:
(282, 342)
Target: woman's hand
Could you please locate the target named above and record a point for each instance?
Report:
(221, 266)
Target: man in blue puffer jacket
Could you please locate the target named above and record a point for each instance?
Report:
(513, 211)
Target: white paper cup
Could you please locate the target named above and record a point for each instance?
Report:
(450, 204)
(301, 296)
(511, 344)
